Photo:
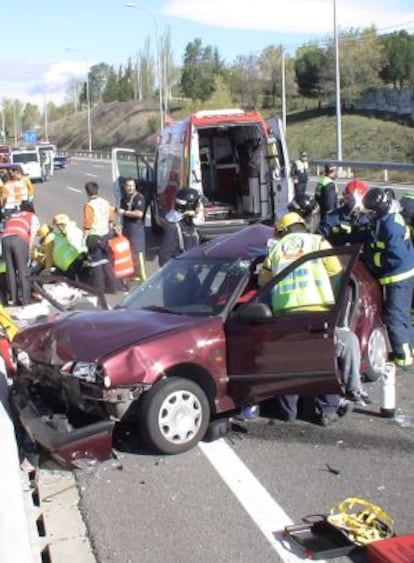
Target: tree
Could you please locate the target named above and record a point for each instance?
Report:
(30, 117)
(309, 69)
(98, 77)
(199, 70)
(399, 56)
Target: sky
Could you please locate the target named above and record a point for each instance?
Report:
(46, 44)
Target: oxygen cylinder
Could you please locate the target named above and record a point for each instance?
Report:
(388, 391)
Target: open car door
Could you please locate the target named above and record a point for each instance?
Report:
(279, 165)
(270, 354)
(127, 163)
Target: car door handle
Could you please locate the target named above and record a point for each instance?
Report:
(318, 328)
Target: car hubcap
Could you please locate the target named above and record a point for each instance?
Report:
(180, 417)
(377, 349)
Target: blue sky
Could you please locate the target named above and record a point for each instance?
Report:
(35, 61)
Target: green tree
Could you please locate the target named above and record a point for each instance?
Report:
(398, 59)
(30, 117)
(199, 71)
(309, 68)
(111, 91)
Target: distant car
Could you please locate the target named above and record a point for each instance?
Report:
(197, 341)
(61, 161)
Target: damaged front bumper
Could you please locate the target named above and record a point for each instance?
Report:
(54, 433)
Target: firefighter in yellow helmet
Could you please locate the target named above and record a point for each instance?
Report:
(42, 255)
(69, 250)
(309, 288)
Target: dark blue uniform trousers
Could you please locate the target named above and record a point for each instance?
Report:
(397, 317)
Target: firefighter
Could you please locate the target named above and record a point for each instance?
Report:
(326, 191)
(180, 233)
(69, 250)
(312, 291)
(299, 172)
(345, 224)
(389, 254)
(17, 241)
(42, 255)
(98, 224)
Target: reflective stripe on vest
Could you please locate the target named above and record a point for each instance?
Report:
(307, 285)
(121, 251)
(101, 212)
(16, 191)
(64, 254)
(19, 224)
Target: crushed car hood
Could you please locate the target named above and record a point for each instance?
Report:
(94, 335)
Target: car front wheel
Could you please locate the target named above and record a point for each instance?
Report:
(174, 415)
(376, 354)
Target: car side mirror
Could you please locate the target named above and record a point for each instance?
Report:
(255, 313)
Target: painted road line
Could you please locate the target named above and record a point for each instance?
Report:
(91, 175)
(268, 516)
(77, 190)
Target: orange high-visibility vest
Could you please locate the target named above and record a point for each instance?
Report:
(122, 256)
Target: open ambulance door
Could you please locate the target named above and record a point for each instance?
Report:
(127, 163)
(282, 190)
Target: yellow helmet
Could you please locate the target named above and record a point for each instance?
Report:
(61, 219)
(44, 230)
(288, 220)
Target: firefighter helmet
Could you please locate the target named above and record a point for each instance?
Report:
(305, 208)
(43, 231)
(288, 220)
(356, 186)
(378, 201)
(61, 219)
(187, 200)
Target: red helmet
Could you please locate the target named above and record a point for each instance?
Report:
(356, 187)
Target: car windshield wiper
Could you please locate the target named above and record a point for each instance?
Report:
(158, 309)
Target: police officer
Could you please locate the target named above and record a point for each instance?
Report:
(344, 224)
(313, 291)
(300, 176)
(389, 254)
(180, 233)
(326, 191)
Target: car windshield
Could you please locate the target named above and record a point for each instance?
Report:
(202, 286)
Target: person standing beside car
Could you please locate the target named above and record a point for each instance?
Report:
(131, 211)
(300, 177)
(180, 232)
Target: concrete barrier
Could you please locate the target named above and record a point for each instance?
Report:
(15, 544)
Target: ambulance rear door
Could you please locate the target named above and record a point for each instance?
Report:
(282, 189)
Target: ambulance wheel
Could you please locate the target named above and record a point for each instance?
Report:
(174, 415)
(376, 354)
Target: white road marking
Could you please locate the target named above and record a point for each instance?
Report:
(97, 166)
(77, 190)
(268, 516)
(91, 175)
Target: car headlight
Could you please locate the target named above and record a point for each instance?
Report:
(87, 371)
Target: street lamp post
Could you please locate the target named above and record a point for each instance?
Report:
(158, 50)
(3, 121)
(88, 97)
(337, 89)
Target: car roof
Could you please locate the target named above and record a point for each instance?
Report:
(248, 243)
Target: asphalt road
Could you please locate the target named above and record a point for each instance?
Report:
(226, 501)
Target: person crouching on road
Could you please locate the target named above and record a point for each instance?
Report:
(312, 291)
(131, 211)
(98, 223)
(389, 254)
(42, 255)
(18, 239)
(180, 232)
(69, 250)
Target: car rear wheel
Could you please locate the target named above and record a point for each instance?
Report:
(376, 354)
(174, 415)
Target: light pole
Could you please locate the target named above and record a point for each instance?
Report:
(337, 89)
(284, 90)
(158, 50)
(3, 121)
(88, 97)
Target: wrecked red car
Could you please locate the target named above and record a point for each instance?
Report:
(197, 341)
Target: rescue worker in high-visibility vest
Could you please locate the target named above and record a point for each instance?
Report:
(13, 193)
(299, 173)
(326, 191)
(98, 224)
(131, 210)
(345, 224)
(42, 255)
(69, 249)
(307, 288)
(18, 239)
(389, 254)
(27, 181)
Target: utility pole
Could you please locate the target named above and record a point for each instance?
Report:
(337, 90)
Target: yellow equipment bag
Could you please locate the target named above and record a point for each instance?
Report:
(361, 521)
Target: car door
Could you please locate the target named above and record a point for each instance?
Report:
(291, 351)
(129, 163)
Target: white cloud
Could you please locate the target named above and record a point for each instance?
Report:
(304, 17)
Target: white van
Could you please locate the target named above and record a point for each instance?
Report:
(30, 161)
(237, 160)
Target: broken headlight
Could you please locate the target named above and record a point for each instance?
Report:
(87, 371)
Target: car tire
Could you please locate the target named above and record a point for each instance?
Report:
(376, 354)
(174, 415)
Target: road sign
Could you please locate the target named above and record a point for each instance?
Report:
(29, 136)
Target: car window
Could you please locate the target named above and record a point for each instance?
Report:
(313, 285)
(191, 286)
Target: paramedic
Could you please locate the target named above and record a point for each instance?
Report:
(69, 249)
